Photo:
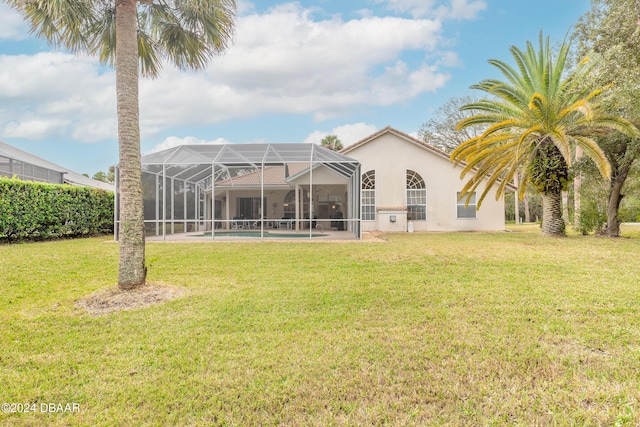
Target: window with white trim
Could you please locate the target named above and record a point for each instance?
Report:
(469, 211)
(416, 197)
(368, 196)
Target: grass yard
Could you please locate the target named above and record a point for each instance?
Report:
(423, 329)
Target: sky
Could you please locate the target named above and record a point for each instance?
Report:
(296, 72)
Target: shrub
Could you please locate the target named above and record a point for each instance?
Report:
(592, 218)
(41, 211)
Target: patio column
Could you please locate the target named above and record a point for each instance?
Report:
(157, 205)
(213, 199)
(297, 198)
(184, 207)
(195, 207)
(311, 199)
(173, 205)
(262, 206)
(226, 208)
(164, 203)
(196, 210)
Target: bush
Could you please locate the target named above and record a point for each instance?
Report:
(629, 210)
(41, 211)
(592, 218)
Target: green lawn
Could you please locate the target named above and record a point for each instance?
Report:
(423, 329)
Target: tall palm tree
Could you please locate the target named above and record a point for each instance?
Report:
(331, 142)
(135, 36)
(534, 120)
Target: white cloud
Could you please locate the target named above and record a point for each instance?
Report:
(417, 8)
(174, 141)
(244, 7)
(449, 59)
(451, 9)
(398, 83)
(33, 128)
(283, 62)
(12, 26)
(58, 91)
(466, 9)
(347, 134)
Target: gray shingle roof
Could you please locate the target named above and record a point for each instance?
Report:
(70, 177)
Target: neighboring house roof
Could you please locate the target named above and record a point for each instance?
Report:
(69, 176)
(408, 138)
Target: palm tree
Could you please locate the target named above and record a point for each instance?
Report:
(135, 36)
(534, 120)
(331, 142)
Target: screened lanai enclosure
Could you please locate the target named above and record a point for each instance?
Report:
(254, 190)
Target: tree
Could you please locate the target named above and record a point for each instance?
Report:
(108, 177)
(611, 30)
(441, 130)
(534, 119)
(331, 142)
(134, 36)
(622, 151)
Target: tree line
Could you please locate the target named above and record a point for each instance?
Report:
(562, 122)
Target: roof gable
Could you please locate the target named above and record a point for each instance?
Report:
(399, 134)
(410, 139)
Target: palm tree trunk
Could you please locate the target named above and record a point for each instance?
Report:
(131, 271)
(527, 214)
(552, 222)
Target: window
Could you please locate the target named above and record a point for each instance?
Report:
(289, 204)
(5, 167)
(468, 212)
(250, 207)
(40, 173)
(368, 196)
(416, 197)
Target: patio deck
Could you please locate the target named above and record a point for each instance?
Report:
(278, 236)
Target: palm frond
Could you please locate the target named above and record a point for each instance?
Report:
(591, 148)
(186, 32)
(62, 23)
(539, 102)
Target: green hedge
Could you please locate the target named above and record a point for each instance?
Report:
(40, 211)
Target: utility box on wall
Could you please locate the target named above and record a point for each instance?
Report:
(392, 219)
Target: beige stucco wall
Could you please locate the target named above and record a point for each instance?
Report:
(320, 176)
(390, 156)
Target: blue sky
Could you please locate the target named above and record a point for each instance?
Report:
(298, 71)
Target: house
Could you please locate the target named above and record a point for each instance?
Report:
(408, 185)
(26, 166)
(389, 181)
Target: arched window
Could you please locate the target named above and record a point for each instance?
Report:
(416, 197)
(368, 196)
(289, 204)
